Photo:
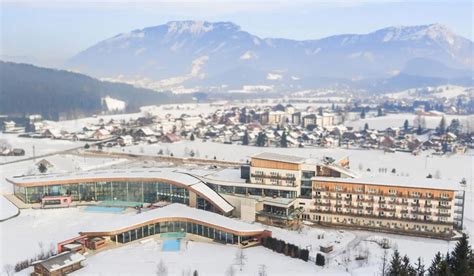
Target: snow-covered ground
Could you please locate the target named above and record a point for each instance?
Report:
(7, 209)
(41, 146)
(444, 91)
(397, 120)
(20, 236)
(54, 225)
(143, 259)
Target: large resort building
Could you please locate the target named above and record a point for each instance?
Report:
(140, 186)
(274, 189)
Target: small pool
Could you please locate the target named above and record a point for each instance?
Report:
(171, 245)
(102, 209)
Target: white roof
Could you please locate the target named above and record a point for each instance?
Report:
(280, 157)
(166, 173)
(62, 260)
(213, 196)
(427, 183)
(175, 210)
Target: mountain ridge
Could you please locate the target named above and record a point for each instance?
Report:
(200, 52)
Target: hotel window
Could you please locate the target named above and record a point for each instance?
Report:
(444, 203)
(415, 194)
(358, 190)
(372, 191)
(392, 192)
(429, 195)
(338, 188)
(443, 195)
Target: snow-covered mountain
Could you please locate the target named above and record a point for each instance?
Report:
(221, 54)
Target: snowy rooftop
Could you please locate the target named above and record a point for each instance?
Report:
(280, 157)
(62, 260)
(174, 210)
(166, 173)
(313, 160)
(232, 175)
(427, 183)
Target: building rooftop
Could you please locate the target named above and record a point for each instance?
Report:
(424, 183)
(167, 173)
(175, 210)
(62, 260)
(280, 157)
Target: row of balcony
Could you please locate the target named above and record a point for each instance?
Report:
(380, 216)
(346, 191)
(391, 205)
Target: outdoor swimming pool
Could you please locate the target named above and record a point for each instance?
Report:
(171, 245)
(102, 209)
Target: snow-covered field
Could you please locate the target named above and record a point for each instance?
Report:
(397, 120)
(143, 259)
(7, 209)
(41, 146)
(54, 225)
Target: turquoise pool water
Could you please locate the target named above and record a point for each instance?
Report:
(102, 209)
(171, 245)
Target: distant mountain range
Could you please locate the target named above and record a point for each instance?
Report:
(220, 56)
(27, 89)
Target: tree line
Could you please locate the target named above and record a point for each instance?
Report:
(459, 262)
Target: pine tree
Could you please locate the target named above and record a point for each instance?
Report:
(395, 268)
(362, 114)
(245, 139)
(42, 168)
(407, 268)
(435, 265)
(192, 137)
(460, 258)
(420, 268)
(261, 139)
(406, 125)
(283, 142)
(366, 126)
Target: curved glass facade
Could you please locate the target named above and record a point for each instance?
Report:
(179, 226)
(134, 191)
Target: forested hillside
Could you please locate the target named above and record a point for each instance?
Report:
(27, 89)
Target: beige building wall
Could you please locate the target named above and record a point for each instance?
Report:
(245, 207)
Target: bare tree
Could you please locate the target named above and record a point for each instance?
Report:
(9, 270)
(161, 269)
(230, 271)
(385, 263)
(240, 258)
(262, 271)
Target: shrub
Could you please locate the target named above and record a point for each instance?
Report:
(320, 259)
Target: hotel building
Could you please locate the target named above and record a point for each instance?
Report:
(275, 189)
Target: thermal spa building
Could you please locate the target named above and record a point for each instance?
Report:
(141, 186)
(174, 219)
(276, 189)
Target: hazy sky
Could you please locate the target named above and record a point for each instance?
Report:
(49, 32)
